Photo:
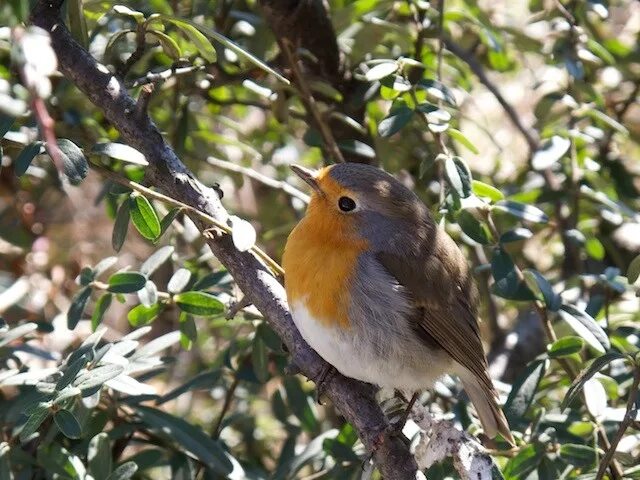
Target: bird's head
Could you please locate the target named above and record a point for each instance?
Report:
(352, 201)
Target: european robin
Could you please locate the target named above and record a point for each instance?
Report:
(381, 292)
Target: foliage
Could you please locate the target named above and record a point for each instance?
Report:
(115, 367)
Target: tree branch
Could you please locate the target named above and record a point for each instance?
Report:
(355, 400)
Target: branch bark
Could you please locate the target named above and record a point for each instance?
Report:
(355, 400)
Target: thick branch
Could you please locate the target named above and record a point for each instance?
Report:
(353, 399)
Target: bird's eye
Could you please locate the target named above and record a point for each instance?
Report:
(346, 204)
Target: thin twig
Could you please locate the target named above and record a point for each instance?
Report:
(440, 39)
(310, 102)
(200, 214)
(143, 99)
(215, 431)
(268, 181)
(629, 418)
(137, 54)
(154, 77)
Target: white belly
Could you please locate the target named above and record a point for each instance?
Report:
(402, 366)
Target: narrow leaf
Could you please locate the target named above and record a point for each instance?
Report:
(126, 282)
(201, 304)
(144, 217)
(593, 368)
(77, 307)
(120, 226)
(67, 423)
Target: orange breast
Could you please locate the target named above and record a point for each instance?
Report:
(320, 260)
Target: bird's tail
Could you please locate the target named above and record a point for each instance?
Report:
(484, 399)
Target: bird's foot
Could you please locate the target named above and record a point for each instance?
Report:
(327, 372)
(397, 427)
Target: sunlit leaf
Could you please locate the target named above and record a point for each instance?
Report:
(201, 304)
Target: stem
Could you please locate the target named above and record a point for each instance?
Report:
(200, 214)
(310, 103)
(270, 182)
(215, 431)
(629, 417)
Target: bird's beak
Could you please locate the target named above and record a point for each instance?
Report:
(308, 175)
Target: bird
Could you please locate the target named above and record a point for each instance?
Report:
(381, 292)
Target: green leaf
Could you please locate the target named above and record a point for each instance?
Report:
(523, 391)
(516, 235)
(578, 455)
(594, 248)
(191, 438)
(593, 368)
(77, 22)
(124, 471)
(75, 164)
(99, 456)
(167, 220)
(523, 211)
(550, 152)
(524, 462)
(158, 257)
(66, 393)
(259, 359)
(395, 120)
(536, 281)
(126, 11)
(458, 175)
(299, 403)
(201, 304)
(144, 217)
(142, 315)
(565, 347)
(472, 227)
(604, 118)
(6, 121)
(202, 381)
(67, 423)
(77, 307)
(586, 327)
(120, 226)
(188, 328)
(633, 272)
(458, 136)
(357, 147)
(71, 371)
(507, 282)
(438, 90)
(230, 45)
(36, 417)
(26, 156)
(204, 46)
(169, 45)
(485, 190)
(120, 151)
(381, 70)
(126, 282)
(96, 377)
(100, 309)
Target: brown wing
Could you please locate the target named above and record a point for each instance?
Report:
(442, 288)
